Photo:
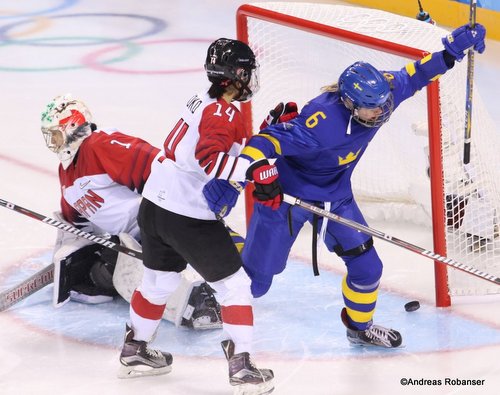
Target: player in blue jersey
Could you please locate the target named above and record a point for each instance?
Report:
(316, 153)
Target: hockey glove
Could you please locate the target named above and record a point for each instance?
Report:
(463, 38)
(267, 187)
(280, 113)
(221, 195)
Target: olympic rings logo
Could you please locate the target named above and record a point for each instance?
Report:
(8, 14)
(13, 35)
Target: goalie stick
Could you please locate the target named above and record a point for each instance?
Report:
(46, 276)
(71, 229)
(29, 286)
(469, 89)
(401, 243)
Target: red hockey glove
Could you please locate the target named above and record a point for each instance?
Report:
(267, 187)
(280, 113)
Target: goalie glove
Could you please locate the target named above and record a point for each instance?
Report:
(280, 113)
(267, 187)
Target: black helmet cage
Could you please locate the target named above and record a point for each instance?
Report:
(230, 61)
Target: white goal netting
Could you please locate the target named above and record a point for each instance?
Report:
(391, 181)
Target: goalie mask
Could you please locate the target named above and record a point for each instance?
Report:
(362, 86)
(66, 122)
(229, 61)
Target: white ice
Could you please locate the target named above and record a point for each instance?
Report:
(74, 350)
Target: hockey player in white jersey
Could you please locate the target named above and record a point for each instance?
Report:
(177, 225)
(102, 175)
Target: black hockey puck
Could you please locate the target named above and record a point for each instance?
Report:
(412, 306)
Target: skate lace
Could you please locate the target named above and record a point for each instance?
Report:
(153, 353)
(252, 365)
(254, 368)
(376, 332)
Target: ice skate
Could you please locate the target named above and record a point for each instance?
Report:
(244, 375)
(374, 335)
(139, 360)
(202, 310)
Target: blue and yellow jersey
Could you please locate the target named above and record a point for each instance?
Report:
(317, 151)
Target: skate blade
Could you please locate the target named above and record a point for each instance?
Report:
(130, 372)
(355, 344)
(254, 389)
(205, 322)
(203, 327)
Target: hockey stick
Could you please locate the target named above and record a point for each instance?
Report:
(469, 89)
(401, 243)
(71, 229)
(29, 286)
(46, 276)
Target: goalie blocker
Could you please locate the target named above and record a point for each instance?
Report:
(83, 270)
(83, 276)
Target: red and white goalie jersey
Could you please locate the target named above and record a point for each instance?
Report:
(203, 144)
(103, 183)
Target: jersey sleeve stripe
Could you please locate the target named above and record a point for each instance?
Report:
(138, 169)
(274, 141)
(140, 173)
(235, 161)
(253, 153)
(221, 166)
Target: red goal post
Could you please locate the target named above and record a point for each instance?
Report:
(251, 12)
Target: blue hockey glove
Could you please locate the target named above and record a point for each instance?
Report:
(222, 195)
(463, 38)
(280, 113)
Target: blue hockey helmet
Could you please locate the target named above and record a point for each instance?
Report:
(363, 86)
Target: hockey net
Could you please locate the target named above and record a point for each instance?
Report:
(303, 46)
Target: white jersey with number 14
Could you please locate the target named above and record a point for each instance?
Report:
(203, 144)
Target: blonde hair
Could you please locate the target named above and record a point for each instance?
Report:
(330, 88)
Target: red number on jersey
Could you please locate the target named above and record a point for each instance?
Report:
(174, 137)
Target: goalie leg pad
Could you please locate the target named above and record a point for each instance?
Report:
(193, 303)
(188, 305)
(202, 310)
(177, 302)
(128, 272)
